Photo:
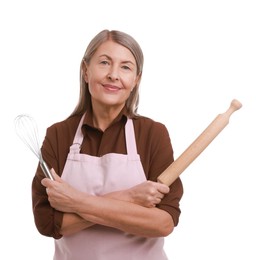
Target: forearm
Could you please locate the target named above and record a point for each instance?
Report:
(73, 223)
(125, 216)
(130, 213)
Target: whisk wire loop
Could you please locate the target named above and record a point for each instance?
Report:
(26, 129)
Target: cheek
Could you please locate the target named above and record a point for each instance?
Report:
(131, 82)
(95, 76)
(90, 74)
(90, 79)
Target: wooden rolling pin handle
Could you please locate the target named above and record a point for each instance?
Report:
(235, 105)
(203, 140)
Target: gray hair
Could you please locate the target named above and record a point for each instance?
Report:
(125, 40)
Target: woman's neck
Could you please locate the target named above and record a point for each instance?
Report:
(104, 116)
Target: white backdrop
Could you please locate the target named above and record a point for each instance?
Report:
(199, 55)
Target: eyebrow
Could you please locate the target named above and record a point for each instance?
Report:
(109, 58)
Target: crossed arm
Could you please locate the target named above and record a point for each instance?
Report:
(132, 210)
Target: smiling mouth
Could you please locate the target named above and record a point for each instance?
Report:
(111, 87)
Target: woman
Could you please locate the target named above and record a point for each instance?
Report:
(105, 202)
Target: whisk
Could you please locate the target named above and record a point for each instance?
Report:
(26, 129)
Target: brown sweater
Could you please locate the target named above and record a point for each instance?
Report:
(153, 146)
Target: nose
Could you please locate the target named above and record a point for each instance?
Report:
(113, 74)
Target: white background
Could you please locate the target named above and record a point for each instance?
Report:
(199, 55)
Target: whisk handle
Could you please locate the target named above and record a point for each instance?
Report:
(46, 170)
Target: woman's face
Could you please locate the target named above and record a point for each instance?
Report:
(111, 75)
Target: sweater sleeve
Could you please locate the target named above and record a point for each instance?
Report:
(161, 157)
(47, 219)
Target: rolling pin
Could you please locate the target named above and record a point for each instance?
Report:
(196, 148)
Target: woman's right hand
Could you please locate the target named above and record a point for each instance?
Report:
(147, 194)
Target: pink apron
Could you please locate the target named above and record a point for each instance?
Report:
(101, 175)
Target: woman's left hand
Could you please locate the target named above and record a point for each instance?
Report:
(147, 194)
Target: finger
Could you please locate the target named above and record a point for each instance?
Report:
(55, 175)
(157, 201)
(164, 189)
(160, 195)
(47, 181)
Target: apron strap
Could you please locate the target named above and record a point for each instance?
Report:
(78, 139)
(130, 138)
(79, 135)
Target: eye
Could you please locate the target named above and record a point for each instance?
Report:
(126, 67)
(104, 62)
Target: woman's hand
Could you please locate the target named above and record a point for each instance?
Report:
(60, 194)
(147, 194)
(132, 210)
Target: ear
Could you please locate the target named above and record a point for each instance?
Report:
(137, 80)
(85, 76)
